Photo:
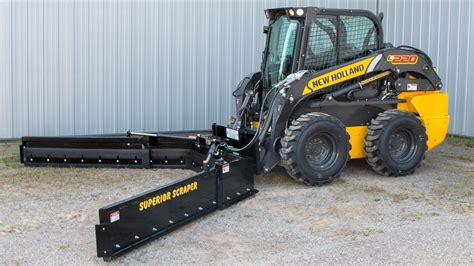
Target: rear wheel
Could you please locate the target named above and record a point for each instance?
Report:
(395, 143)
(315, 148)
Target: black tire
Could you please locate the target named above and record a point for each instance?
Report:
(395, 143)
(315, 148)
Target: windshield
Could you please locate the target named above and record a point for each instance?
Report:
(280, 50)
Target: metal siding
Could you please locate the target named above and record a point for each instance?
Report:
(468, 120)
(443, 29)
(91, 67)
(35, 68)
(51, 68)
(109, 95)
(6, 71)
(66, 45)
(96, 66)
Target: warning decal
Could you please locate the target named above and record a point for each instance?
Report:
(412, 87)
(232, 133)
(226, 168)
(115, 216)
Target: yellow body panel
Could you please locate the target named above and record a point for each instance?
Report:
(431, 107)
(357, 136)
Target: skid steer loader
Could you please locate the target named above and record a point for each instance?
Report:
(329, 90)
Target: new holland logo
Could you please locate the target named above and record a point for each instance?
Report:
(339, 75)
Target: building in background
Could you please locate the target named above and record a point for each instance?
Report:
(102, 66)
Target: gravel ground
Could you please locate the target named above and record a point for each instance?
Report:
(47, 216)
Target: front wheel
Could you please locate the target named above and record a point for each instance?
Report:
(315, 148)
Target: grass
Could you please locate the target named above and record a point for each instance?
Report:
(467, 194)
(465, 143)
(460, 141)
(9, 156)
(466, 157)
(457, 185)
(10, 159)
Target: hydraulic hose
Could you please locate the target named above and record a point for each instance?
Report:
(286, 82)
(260, 119)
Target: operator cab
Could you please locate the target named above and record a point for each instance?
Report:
(332, 37)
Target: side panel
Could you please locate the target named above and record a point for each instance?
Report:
(329, 79)
(128, 223)
(432, 107)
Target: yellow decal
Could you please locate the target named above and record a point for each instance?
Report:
(339, 75)
(165, 196)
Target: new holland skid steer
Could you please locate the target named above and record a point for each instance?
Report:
(329, 90)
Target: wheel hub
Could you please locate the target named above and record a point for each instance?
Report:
(402, 145)
(320, 151)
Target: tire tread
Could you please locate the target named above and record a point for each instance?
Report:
(372, 143)
(288, 147)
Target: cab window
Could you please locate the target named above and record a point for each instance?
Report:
(321, 49)
(357, 37)
(335, 40)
